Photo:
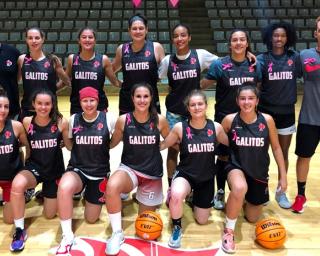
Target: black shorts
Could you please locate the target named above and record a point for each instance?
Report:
(203, 192)
(49, 186)
(307, 140)
(258, 191)
(94, 189)
(282, 121)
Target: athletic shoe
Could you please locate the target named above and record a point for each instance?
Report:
(124, 196)
(299, 204)
(282, 200)
(114, 243)
(228, 244)
(175, 238)
(65, 246)
(28, 194)
(168, 196)
(39, 195)
(18, 241)
(218, 200)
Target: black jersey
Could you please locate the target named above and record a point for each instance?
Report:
(141, 150)
(229, 75)
(36, 75)
(197, 151)
(183, 77)
(249, 144)
(8, 76)
(91, 143)
(279, 79)
(10, 162)
(87, 73)
(138, 67)
(46, 153)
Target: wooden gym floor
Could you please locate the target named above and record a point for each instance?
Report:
(303, 230)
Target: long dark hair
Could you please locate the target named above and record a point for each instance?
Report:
(81, 31)
(52, 58)
(291, 34)
(136, 17)
(3, 92)
(247, 37)
(152, 109)
(54, 114)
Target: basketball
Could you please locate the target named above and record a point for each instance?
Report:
(148, 225)
(270, 233)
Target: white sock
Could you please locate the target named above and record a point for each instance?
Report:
(66, 226)
(19, 223)
(115, 220)
(230, 224)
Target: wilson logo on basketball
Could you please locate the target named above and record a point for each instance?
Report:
(85, 246)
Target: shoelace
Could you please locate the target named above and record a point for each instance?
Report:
(18, 234)
(176, 233)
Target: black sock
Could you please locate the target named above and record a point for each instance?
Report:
(169, 182)
(301, 188)
(176, 222)
(221, 174)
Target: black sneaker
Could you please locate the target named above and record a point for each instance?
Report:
(18, 241)
(28, 194)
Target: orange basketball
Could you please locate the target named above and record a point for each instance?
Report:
(148, 225)
(270, 233)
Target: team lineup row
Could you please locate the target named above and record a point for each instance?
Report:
(274, 72)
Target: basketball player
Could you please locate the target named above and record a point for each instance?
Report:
(12, 134)
(88, 167)
(8, 77)
(38, 70)
(88, 68)
(229, 73)
(280, 67)
(45, 130)
(198, 138)
(250, 134)
(183, 70)
(141, 161)
(139, 61)
(308, 132)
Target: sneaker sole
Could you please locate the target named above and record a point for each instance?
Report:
(116, 253)
(21, 249)
(301, 211)
(228, 251)
(174, 245)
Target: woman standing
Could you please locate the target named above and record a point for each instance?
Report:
(45, 130)
(280, 67)
(88, 68)
(229, 73)
(12, 134)
(198, 138)
(139, 60)
(250, 134)
(141, 161)
(37, 70)
(88, 167)
(183, 70)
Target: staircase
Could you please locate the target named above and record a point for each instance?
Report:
(194, 14)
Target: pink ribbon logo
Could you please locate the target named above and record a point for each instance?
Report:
(126, 48)
(270, 67)
(77, 129)
(226, 66)
(309, 60)
(76, 61)
(30, 129)
(235, 136)
(174, 66)
(27, 60)
(128, 117)
(189, 135)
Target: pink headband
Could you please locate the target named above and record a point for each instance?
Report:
(88, 92)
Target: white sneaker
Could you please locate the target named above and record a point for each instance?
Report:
(218, 200)
(114, 243)
(65, 246)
